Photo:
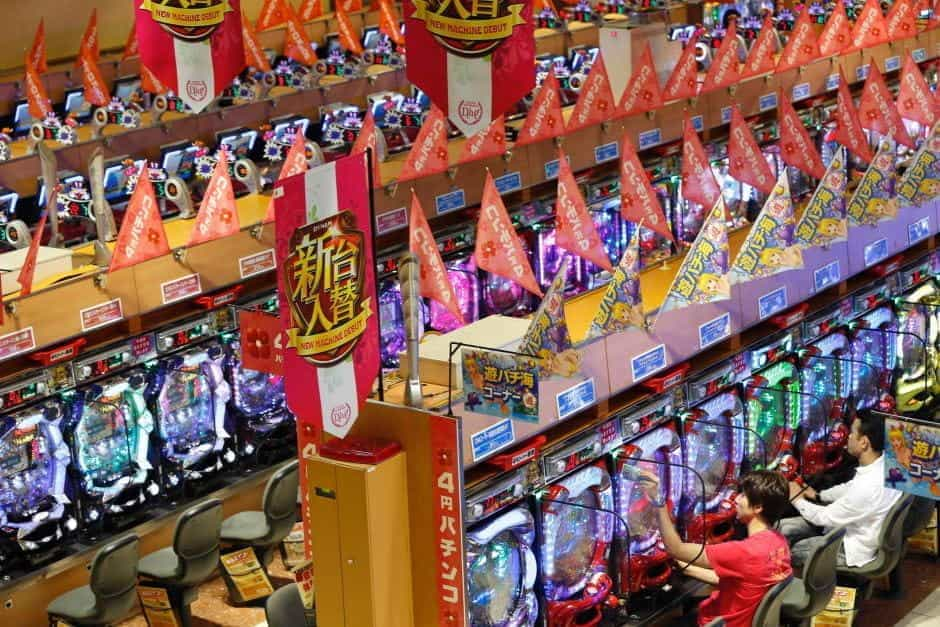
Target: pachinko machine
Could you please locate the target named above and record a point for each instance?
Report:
(916, 384)
(391, 310)
(603, 200)
(874, 351)
(36, 511)
(503, 296)
(456, 248)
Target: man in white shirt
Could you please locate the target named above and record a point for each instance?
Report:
(860, 505)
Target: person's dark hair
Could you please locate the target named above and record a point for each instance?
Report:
(872, 426)
(768, 490)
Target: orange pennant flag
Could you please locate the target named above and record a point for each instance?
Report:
(25, 278)
(428, 154)
(389, 22)
(725, 69)
(96, 90)
(89, 46)
(643, 92)
(849, 131)
(901, 21)
(434, 283)
(367, 138)
(149, 81)
(348, 38)
(683, 82)
(37, 52)
(296, 43)
(574, 226)
(39, 105)
(796, 147)
(698, 180)
(490, 142)
(638, 200)
(498, 248)
(311, 9)
(295, 162)
(836, 35)
(218, 214)
(596, 101)
(352, 5)
(915, 102)
(272, 14)
(254, 55)
(544, 120)
(131, 46)
(746, 162)
(801, 48)
(142, 236)
(870, 27)
(762, 57)
(876, 109)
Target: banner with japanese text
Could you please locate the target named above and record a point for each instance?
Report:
(769, 247)
(920, 183)
(505, 385)
(823, 221)
(874, 199)
(912, 456)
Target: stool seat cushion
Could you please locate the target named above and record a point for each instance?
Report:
(163, 565)
(244, 527)
(795, 599)
(74, 605)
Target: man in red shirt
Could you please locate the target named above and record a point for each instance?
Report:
(743, 570)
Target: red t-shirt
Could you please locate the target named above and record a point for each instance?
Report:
(746, 570)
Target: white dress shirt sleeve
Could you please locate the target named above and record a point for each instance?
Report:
(843, 511)
(834, 493)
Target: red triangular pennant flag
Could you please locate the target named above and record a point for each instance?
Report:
(295, 162)
(683, 82)
(934, 20)
(796, 148)
(490, 142)
(37, 52)
(643, 92)
(296, 43)
(901, 21)
(698, 180)
(367, 138)
(876, 109)
(254, 54)
(849, 131)
(428, 154)
(544, 120)
(348, 38)
(434, 283)
(836, 35)
(725, 69)
(596, 101)
(574, 226)
(272, 14)
(801, 48)
(762, 57)
(218, 214)
(638, 201)
(39, 105)
(149, 81)
(141, 236)
(131, 46)
(388, 22)
(915, 102)
(25, 278)
(498, 249)
(870, 28)
(89, 45)
(746, 162)
(96, 90)
(311, 9)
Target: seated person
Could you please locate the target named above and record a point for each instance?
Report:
(859, 505)
(742, 570)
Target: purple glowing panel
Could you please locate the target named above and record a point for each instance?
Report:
(463, 276)
(256, 393)
(609, 227)
(713, 446)
(548, 258)
(393, 323)
(875, 345)
(506, 297)
(826, 378)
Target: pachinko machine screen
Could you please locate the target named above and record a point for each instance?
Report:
(549, 257)
(826, 376)
(501, 570)
(392, 316)
(773, 414)
(577, 529)
(462, 274)
(642, 560)
(917, 348)
(34, 511)
(610, 229)
(506, 297)
(713, 442)
(874, 343)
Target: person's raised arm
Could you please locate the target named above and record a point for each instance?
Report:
(685, 551)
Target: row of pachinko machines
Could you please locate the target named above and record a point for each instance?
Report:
(562, 534)
(94, 445)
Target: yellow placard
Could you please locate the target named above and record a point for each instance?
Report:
(925, 540)
(294, 553)
(332, 339)
(491, 29)
(246, 574)
(303, 575)
(840, 611)
(158, 610)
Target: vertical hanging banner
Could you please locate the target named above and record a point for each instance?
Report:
(621, 307)
(874, 200)
(195, 50)
(849, 131)
(823, 221)
(475, 60)
(920, 183)
(769, 247)
(327, 293)
(912, 456)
